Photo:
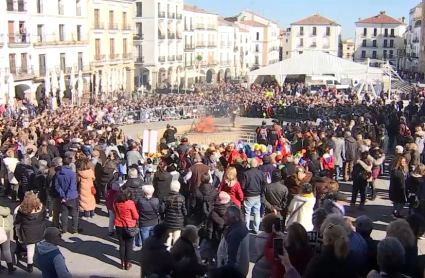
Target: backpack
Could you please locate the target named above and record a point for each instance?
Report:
(263, 133)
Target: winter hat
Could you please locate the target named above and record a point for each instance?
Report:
(306, 188)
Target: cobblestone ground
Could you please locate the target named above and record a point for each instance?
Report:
(93, 254)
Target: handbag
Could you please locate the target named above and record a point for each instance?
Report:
(131, 231)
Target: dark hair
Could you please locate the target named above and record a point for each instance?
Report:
(205, 178)
(276, 175)
(268, 221)
(159, 230)
(66, 161)
(226, 271)
(297, 237)
(416, 223)
(123, 194)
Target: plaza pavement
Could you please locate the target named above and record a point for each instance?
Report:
(93, 254)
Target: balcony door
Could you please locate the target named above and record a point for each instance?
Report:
(97, 47)
(11, 30)
(42, 64)
(111, 18)
(112, 46)
(124, 46)
(96, 17)
(24, 62)
(12, 63)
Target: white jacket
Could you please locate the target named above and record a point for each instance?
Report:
(304, 215)
(10, 163)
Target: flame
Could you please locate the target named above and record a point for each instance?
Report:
(205, 125)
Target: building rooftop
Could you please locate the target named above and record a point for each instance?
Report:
(316, 19)
(223, 22)
(252, 23)
(195, 9)
(380, 18)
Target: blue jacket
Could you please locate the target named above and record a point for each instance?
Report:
(65, 183)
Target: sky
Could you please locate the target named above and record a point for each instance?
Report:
(344, 12)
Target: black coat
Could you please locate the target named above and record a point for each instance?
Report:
(202, 201)
(155, 259)
(173, 210)
(274, 196)
(397, 189)
(161, 183)
(327, 265)
(183, 248)
(31, 226)
(106, 175)
(148, 211)
(135, 185)
(215, 224)
(169, 135)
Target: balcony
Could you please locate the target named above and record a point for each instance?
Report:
(138, 37)
(126, 27)
(57, 39)
(161, 59)
(200, 44)
(161, 14)
(19, 40)
(200, 26)
(212, 44)
(171, 58)
(139, 60)
(203, 63)
(313, 45)
(257, 50)
(388, 46)
(211, 27)
(224, 63)
(18, 6)
(188, 64)
(171, 36)
(161, 36)
(313, 34)
(99, 58)
(179, 57)
(113, 57)
(274, 48)
(127, 56)
(78, 11)
(24, 72)
(222, 44)
(414, 55)
(171, 15)
(326, 46)
(189, 47)
(113, 26)
(179, 36)
(236, 49)
(229, 44)
(99, 26)
(415, 40)
(179, 16)
(300, 34)
(213, 63)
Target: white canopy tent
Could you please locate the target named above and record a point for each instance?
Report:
(316, 63)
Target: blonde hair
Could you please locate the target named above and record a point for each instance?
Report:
(231, 174)
(401, 230)
(336, 236)
(420, 170)
(359, 137)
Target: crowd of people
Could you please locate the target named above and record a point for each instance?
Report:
(194, 209)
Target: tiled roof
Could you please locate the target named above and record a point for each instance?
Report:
(252, 23)
(381, 18)
(195, 9)
(256, 14)
(223, 22)
(316, 19)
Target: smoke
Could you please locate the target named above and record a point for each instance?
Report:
(205, 125)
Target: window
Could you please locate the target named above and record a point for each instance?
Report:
(40, 33)
(139, 9)
(286, 40)
(80, 60)
(314, 31)
(385, 43)
(112, 46)
(97, 47)
(374, 43)
(39, 7)
(374, 54)
(124, 46)
(257, 36)
(363, 54)
(257, 48)
(391, 54)
(364, 43)
(375, 32)
(257, 59)
(391, 43)
(24, 62)
(78, 10)
(364, 31)
(287, 52)
(301, 42)
(392, 33)
(61, 32)
(385, 54)
(60, 7)
(139, 29)
(328, 31)
(386, 33)
(139, 51)
(111, 18)
(124, 20)
(301, 31)
(12, 63)
(79, 34)
(42, 64)
(62, 61)
(96, 18)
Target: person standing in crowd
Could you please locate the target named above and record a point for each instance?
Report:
(234, 246)
(148, 208)
(87, 190)
(194, 176)
(350, 155)
(110, 199)
(135, 185)
(397, 190)
(364, 227)
(65, 184)
(202, 200)
(29, 226)
(338, 147)
(52, 194)
(7, 170)
(126, 217)
(231, 186)
(48, 257)
(170, 135)
(252, 185)
(162, 181)
(133, 155)
(301, 208)
(262, 267)
(361, 174)
(274, 196)
(173, 211)
(6, 225)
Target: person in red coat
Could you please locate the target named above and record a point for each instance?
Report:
(231, 186)
(126, 216)
(231, 153)
(297, 246)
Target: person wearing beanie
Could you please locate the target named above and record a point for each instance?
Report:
(301, 207)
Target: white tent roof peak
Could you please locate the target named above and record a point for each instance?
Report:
(314, 63)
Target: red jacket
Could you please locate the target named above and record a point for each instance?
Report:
(232, 155)
(125, 214)
(235, 192)
(299, 259)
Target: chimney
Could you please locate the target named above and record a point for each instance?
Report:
(360, 18)
(403, 19)
(382, 12)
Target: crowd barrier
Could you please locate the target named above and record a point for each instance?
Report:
(123, 117)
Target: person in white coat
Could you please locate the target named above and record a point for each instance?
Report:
(301, 208)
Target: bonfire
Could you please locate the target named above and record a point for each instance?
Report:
(205, 125)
